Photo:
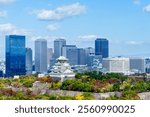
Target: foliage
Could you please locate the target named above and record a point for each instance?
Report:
(45, 79)
(88, 96)
(129, 95)
(148, 85)
(87, 82)
(2, 85)
(76, 85)
(116, 87)
(79, 97)
(125, 86)
(140, 86)
(56, 85)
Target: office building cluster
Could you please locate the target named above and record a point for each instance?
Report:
(19, 59)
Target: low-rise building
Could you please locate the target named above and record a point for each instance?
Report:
(116, 65)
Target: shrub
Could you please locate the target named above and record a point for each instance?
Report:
(140, 86)
(79, 97)
(45, 79)
(56, 85)
(88, 96)
(129, 95)
(76, 85)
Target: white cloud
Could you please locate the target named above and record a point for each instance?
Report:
(60, 12)
(3, 14)
(8, 28)
(134, 42)
(136, 2)
(53, 27)
(6, 1)
(88, 37)
(147, 8)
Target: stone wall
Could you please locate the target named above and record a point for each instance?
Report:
(144, 96)
(97, 96)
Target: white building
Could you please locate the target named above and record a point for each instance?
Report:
(116, 65)
(61, 70)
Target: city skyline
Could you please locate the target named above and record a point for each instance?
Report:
(124, 23)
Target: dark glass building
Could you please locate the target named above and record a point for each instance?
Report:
(102, 47)
(15, 55)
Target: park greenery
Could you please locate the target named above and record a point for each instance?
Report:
(87, 83)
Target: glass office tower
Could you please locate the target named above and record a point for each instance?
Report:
(15, 55)
(71, 53)
(102, 47)
(58, 44)
(41, 56)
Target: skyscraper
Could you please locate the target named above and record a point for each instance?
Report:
(15, 55)
(81, 56)
(102, 47)
(58, 44)
(88, 52)
(41, 55)
(49, 56)
(28, 61)
(70, 52)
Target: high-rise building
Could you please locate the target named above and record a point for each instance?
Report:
(28, 61)
(71, 53)
(138, 65)
(89, 52)
(15, 55)
(102, 47)
(58, 44)
(49, 56)
(41, 56)
(116, 65)
(81, 56)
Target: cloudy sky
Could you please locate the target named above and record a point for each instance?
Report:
(125, 23)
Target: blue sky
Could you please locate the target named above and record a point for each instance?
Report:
(125, 23)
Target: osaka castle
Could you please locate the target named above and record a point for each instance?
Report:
(62, 71)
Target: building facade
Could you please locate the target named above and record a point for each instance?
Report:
(138, 65)
(58, 44)
(102, 47)
(88, 51)
(71, 53)
(49, 56)
(116, 65)
(28, 61)
(41, 56)
(15, 55)
(81, 56)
